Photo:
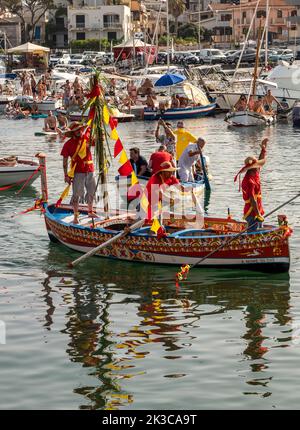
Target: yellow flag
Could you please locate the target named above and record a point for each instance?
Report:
(123, 157)
(65, 192)
(134, 179)
(114, 134)
(106, 114)
(155, 225)
(144, 202)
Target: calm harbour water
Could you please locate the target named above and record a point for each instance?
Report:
(115, 335)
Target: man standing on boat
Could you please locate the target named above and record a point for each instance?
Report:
(188, 157)
(184, 137)
(251, 188)
(77, 148)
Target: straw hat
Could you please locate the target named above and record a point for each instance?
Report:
(250, 163)
(73, 127)
(166, 166)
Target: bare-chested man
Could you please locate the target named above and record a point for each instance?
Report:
(50, 122)
(268, 102)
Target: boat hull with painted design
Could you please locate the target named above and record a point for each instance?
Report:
(265, 250)
(179, 113)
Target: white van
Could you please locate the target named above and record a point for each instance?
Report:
(211, 56)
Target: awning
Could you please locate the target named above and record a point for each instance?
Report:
(27, 48)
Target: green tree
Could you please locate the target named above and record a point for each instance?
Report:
(33, 9)
(176, 8)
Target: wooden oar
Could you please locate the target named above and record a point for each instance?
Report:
(205, 177)
(241, 232)
(93, 251)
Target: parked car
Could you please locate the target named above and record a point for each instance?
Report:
(191, 59)
(283, 54)
(211, 56)
(65, 59)
(248, 56)
(76, 59)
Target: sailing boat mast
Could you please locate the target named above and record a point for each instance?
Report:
(267, 33)
(255, 74)
(168, 35)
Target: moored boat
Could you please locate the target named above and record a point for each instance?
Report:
(249, 119)
(18, 171)
(179, 113)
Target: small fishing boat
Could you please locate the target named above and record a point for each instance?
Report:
(185, 238)
(15, 171)
(249, 119)
(179, 113)
(264, 250)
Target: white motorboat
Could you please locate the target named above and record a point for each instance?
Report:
(43, 105)
(15, 171)
(249, 119)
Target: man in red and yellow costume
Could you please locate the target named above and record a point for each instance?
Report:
(251, 188)
(81, 173)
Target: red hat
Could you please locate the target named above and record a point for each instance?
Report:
(250, 163)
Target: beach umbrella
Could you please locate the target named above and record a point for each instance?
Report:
(169, 79)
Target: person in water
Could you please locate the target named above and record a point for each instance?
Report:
(50, 122)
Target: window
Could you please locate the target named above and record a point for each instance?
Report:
(110, 20)
(37, 32)
(54, 39)
(80, 21)
(279, 13)
(244, 15)
(111, 35)
(60, 22)
(261, 14)
(294, 13)
(226, 17)
(279, 30)
(65, 39)
(80, 36)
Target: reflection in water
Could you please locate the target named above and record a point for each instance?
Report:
(153, 314)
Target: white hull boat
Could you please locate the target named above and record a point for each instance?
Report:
(22, 171)
(249, 119)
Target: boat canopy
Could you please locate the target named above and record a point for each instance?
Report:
(192, 92)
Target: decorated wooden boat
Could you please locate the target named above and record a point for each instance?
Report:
(179, 113)
(265, 250)
(249, 119)
(17, 171)
(169, 237)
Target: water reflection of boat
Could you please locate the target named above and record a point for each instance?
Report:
(161, 324)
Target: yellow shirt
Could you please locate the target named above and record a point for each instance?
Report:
(184, 137)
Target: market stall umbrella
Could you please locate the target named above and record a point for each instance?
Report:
(169, 79)
(28, 48)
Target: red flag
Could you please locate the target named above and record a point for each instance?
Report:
(126, 169)
(118, 147)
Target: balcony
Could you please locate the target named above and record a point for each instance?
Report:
(112, 25)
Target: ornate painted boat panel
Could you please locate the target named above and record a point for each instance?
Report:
(265, 250)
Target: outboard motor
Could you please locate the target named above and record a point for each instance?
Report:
(296, 115)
